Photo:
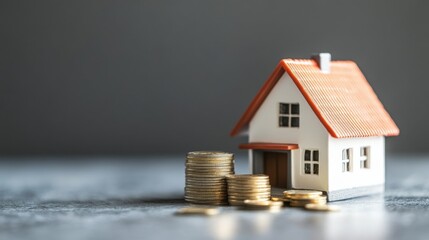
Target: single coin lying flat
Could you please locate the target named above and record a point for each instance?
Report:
(322, 207)
(207, 211)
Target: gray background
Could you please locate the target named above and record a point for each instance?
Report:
(164, 77)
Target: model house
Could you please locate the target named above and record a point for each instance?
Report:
(317, 124)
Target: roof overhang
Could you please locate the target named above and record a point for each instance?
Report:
(269, 146)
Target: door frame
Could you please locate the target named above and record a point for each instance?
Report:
(258, 163)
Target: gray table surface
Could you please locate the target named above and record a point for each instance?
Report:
(135, 198)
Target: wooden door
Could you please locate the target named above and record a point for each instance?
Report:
(275, 166)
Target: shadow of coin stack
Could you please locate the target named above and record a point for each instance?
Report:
(248, 187)
(205, 177)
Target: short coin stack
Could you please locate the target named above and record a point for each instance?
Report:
(248, 187)
(300, 198)
(205, 177)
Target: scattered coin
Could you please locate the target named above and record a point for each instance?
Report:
(261, 205)
(205, 173)
(300, 198)
(322, 207)
(301, 194)
(208, 211)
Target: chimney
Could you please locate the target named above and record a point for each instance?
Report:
(324, 61)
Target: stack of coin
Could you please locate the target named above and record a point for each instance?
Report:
(248, 187)
(299, 198)
(205, 177)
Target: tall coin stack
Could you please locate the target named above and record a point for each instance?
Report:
(248, 187)
(205, 177)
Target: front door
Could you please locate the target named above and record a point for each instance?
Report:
(275, 166)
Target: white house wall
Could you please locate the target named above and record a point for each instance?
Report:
(312, 135)
(357, 177)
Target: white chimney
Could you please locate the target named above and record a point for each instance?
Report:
(324, 61)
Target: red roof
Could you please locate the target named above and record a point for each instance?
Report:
(342, 99)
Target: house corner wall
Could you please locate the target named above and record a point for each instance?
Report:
(358, 177)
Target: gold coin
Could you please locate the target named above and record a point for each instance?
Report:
(322, 207)
(241, 196)
(198, 211)
(297, 204)
(201, 183)
(248, 192)
(259, 189)
(310, 199)
(204, 175)
(209, 168)
(265, 204)
(214, 172)
(191, 198)
(238, 176)
(209, 203)
(249, 197)
(246, 182)
(256, 202)
(206, 191)
(205, 178)
(210, 160)
(212, 199)
(280, 199)
(209, 154)
(251, 185)
(232, 194)
(205, 197)
(211, 185)
(301, 193)
(192, 163)
(205, 172)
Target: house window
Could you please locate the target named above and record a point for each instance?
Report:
(289, 115)
(311, 162)
(364, 157)
(346, 160)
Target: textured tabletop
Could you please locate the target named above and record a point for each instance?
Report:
(105, 198)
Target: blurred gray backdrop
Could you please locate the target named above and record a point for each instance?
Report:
(163, 77)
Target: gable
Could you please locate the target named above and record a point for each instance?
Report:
(266, 126)
(343, 100)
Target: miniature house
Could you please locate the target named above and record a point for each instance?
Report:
(317, 124)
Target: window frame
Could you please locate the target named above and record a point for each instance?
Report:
(291, 117)
(311, 162)
(347, 160)
(365, 159)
